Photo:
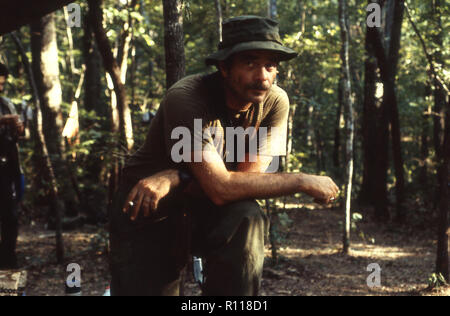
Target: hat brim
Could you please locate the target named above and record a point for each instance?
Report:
(285, 53)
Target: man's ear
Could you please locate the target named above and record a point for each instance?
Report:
(223, 69)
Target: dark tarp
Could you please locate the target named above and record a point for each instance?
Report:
(16, 13)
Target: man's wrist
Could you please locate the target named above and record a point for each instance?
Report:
(303, 181)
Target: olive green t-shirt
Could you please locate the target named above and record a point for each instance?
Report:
(193, 116)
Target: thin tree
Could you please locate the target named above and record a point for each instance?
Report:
(272, 11)
(219, 18)
(349, 125)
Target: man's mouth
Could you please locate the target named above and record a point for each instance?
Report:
(259, 87)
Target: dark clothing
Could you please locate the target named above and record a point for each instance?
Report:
(9, 177)
(8, 216)
(148, 255)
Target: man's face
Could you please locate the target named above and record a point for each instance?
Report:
(2, 83)
(250, 75)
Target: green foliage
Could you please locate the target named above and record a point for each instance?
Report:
(436, 280)
(284, 219)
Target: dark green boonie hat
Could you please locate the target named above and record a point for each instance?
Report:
(249, 32)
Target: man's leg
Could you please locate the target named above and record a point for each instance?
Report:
(143, 259)
(9, 228)
(233, 248)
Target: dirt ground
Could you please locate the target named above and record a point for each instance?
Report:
(310, 264)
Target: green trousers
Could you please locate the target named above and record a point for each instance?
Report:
(148, 255)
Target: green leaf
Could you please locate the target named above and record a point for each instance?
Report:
(356, 217)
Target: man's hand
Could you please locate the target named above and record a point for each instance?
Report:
(321, 188)
(146, 195)
(14, 122)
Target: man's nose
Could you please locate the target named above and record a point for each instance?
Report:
(262, 74)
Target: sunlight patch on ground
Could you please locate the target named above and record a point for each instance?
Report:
(384, 252)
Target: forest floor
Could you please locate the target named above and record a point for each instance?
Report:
(310, 259)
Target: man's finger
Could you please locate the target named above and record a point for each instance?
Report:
(130, 198)
(137, 207)
(154, 204)
(146, 205)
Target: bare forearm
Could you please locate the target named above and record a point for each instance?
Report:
(242, 185)
(223, 186)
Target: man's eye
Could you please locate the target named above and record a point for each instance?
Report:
(250, 63)
(271, 66)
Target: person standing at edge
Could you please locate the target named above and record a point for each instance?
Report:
(164, 211)
(10, 130)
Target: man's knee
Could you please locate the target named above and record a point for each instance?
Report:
(245, 226)
(253, 220)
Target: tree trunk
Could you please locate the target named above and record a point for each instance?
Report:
(349, 126)
(46, 72)
(393, 57)
(442, 260)
(173, 41)
(424, 154)
(303, 16)
(219, 18)
(123, 52)
(387, 64)
(272, 9)
(92, 59)
(442, 139)
(337, 130)
(48, 173)
(439, 92)
(369, 126)
(174, 51)
(93, 102)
